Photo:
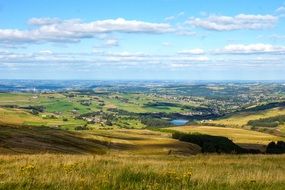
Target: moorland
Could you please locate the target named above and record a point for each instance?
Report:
(120, 135)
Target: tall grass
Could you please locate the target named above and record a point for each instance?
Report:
(125, 171)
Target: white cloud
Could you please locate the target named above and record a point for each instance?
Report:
(252, 55)
(280, 9)
(277, 37)
(190, 59)
(180, 13)
(166, 44)
(196, 51)
(238, 22)
(126, 54)
(170, 18)
(183, 30)
(56, 30)
(252, 49)
(111, 42)
(44, 21)
(179, 65)
(98, 58)
(46, 52)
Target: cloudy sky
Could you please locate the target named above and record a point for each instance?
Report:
(143, 39)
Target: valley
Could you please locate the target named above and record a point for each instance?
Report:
(124, 135)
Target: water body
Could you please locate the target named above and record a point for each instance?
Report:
(178, 122)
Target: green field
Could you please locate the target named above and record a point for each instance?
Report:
(24, 118)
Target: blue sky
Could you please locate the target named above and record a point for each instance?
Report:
(151, 39)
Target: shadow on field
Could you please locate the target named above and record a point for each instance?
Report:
(15, 139)
(121, 137)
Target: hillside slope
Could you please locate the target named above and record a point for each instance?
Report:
(21, 139)
(15, 139)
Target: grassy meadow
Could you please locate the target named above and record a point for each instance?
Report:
(47, 158)
(125, 171)
(21, 140)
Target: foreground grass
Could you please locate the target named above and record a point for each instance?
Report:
(125, 171)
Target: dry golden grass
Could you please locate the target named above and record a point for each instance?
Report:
(125, 171)
(134, 159)
(139, 141)
(241, 119)
(19, 140)
(43, 139)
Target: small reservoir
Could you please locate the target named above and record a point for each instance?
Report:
(178, 122)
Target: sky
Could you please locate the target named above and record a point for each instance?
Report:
(142, 39)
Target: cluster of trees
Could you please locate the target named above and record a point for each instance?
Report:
(155, 122)
(159, 104)
(218, 144)
(85, 102)
(148, 119)
(268, 122)
(33, 109)
(81, 127)
(122, 112)
(212, 144)
(276, 148)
